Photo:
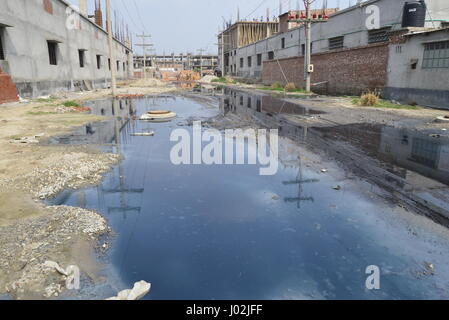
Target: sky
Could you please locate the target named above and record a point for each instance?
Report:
(182, 26)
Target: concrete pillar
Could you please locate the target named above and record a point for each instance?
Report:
(83, 7)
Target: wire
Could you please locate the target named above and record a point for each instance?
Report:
(257, 8)
(140, 18)
(129, 14)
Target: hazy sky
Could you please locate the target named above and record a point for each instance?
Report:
(188, 25)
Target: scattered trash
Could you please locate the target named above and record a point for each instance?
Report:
(52, 290)
(25, 140)
(139, 290)
(275, 197)
(143, 134)
(55, 265)
(63, 109)
(129, 96)
(324, 170)
(442, 119)
(21, 100)
(337, 188)
(430, 269)
(158, 116)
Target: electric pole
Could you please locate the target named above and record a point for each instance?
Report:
(201, 61)
(308, 58)
(144, 46)
(111, 50)
(308, 20)
(222, 55)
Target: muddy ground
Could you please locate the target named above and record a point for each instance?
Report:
(31, 171)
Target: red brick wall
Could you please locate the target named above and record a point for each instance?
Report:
(348, 71)
(8, 90)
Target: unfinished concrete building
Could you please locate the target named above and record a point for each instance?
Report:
(240, 34)
(48, 46)
(177, 62)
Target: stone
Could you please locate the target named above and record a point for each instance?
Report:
(55, 265)
(139, 290)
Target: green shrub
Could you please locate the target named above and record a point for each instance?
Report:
(70, 104)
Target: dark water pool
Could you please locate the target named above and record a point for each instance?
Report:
(225, 232)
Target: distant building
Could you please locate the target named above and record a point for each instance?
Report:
(45, 46)
(179, 62)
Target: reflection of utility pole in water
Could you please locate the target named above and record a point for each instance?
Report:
(81, 199)
(299, 181)
(121, 188)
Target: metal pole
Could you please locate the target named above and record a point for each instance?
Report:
(111, 50)
(308, 57)
(223, 73)
(144, 48)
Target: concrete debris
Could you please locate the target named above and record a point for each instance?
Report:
(143, 134)
(55, 265)
(73, 170)
(53, 290)
(140, 290)
(430, 269)
(25, 140)
(30, 245)
(208, 79)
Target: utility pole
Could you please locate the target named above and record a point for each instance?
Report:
(308, 58)
(111, 50)
(201, 61)
(144, 46)
(308, 20)
(152, 57)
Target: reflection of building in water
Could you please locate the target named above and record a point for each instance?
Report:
(415, 151)
(266, 110)
(119, 112)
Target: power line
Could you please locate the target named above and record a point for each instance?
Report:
(257, 8)
(140, 18)
(129, 14)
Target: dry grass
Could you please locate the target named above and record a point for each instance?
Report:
(276, 85)
(369, 99)
(290, 87)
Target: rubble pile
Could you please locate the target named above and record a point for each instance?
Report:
(73, 170)
(29, 244)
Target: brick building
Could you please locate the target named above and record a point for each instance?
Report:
(348, 57)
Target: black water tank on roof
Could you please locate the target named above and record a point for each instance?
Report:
(414, 14)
